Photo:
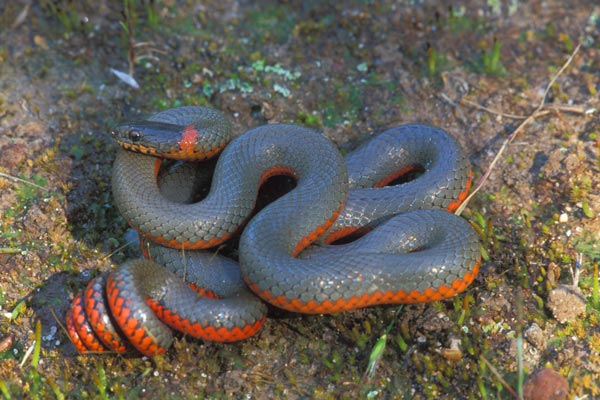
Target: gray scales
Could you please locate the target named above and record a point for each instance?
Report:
(415, 251)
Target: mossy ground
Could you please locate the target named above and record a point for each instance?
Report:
(348, 69)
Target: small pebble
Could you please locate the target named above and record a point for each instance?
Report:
(545, 384)
(535, 336)
(566, 302)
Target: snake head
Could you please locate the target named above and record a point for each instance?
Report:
(148, 137)
(121, 133)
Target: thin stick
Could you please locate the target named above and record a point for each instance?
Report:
(106, 257)
(489, 110)
(499, 377)
(538, 112)
(560, 71)
(17, 179)
(548, 108)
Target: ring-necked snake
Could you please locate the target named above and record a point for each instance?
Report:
(410, 250)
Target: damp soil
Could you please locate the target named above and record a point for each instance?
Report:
(348, 69)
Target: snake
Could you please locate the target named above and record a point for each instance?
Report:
(407, 246)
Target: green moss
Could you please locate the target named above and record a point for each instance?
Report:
(309, 119)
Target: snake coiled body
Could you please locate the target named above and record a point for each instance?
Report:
(412, 251)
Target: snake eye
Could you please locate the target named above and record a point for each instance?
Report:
(134, 135)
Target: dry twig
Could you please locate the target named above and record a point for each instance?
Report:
(537, 113)
(17, 179)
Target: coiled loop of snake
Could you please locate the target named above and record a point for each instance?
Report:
(422, 255)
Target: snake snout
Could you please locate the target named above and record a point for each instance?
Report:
(126, 133)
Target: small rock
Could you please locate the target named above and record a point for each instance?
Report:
(267, 110)
(566, 303)
(545, 384)
(453, 352)
(535, 336)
